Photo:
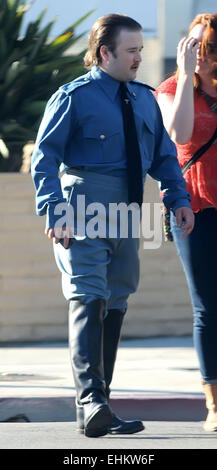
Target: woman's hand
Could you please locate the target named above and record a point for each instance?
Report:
(187, 55)
(178, 113)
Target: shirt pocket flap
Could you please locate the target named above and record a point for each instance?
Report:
(146, 122)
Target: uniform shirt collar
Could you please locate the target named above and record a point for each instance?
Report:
(109, 84)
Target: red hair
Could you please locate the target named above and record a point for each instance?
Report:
(210, 22)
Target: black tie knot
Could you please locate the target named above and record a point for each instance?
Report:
(123, 90)
(123, 86)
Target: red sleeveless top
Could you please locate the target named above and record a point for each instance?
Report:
(201, 178)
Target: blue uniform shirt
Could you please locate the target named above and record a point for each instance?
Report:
(83, 127)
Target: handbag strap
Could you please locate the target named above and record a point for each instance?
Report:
(199, 153)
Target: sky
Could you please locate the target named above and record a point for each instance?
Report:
(68, 11)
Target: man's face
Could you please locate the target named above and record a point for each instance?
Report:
(124, 62)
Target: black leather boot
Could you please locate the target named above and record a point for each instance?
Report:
(112, 329)
(86, 349)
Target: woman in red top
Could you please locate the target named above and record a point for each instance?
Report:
(188, 101)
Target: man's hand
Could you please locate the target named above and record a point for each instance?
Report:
(185, 220)
(64, 235)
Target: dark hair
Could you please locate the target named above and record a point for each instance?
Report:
(105, 32)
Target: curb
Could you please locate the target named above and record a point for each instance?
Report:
(174, 407)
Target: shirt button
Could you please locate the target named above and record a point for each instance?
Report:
(102, 137)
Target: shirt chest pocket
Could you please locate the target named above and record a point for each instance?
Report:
(101, 144)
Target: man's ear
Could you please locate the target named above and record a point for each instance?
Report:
(104, 52)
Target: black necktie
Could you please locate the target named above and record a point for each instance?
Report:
(134, 164)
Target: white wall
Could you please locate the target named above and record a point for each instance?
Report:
(175, 17)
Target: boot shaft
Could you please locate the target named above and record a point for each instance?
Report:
(111, 337)
(86, 347)
(210, 391)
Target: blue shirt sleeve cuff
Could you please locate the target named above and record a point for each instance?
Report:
(180, 203)
(54, 216)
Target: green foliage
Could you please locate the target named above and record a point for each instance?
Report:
(32, 68)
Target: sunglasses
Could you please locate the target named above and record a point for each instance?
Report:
(211, 47)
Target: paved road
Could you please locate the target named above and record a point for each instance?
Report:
(157, 435)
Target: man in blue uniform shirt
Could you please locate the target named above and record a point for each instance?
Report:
(83, 135)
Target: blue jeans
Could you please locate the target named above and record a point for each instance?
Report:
(198, 254)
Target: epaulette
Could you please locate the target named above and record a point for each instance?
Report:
(78, 82)
(137, 82)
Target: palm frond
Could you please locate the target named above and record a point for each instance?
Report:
(32, 68)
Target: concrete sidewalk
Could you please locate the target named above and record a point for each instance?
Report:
(155, 379)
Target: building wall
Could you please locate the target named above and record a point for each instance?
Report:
(174, 18)
(32, 306)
